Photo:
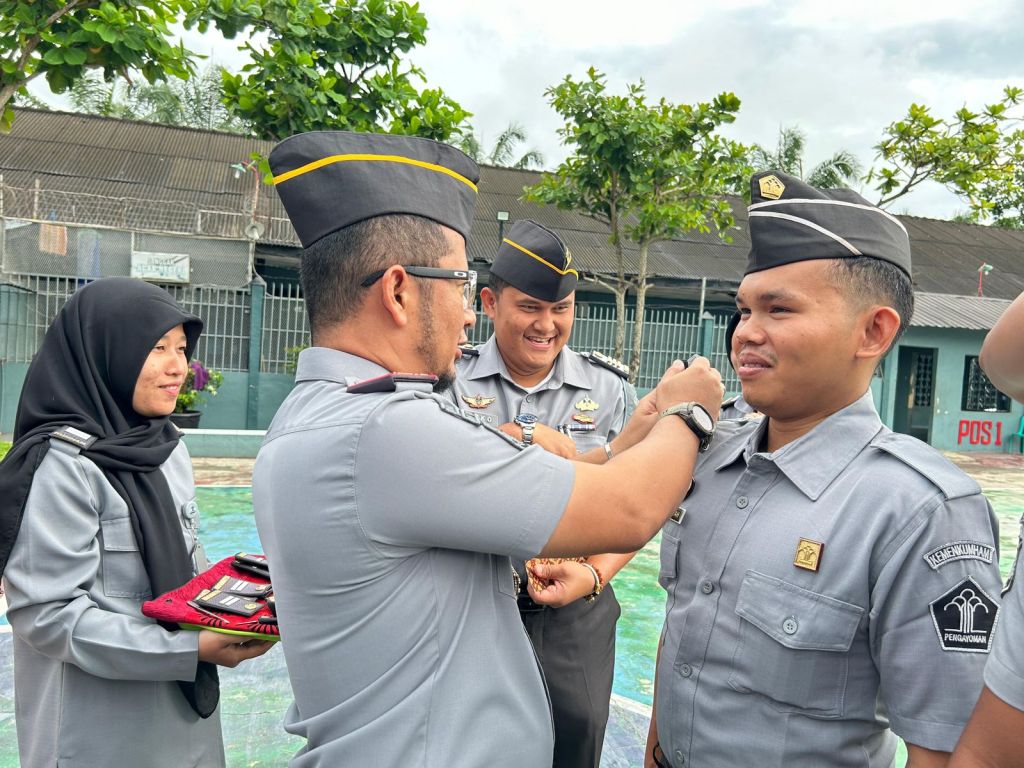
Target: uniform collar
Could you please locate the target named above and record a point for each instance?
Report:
(570, 369)
(813, 461)
(323, 364)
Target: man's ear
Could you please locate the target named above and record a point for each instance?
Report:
(396, 293)
(879, 326)
(488, 301)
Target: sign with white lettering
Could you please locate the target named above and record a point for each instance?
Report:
(161, 267)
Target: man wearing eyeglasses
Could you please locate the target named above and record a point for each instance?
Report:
(387, 514)
(524, 376)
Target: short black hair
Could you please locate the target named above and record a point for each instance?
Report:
(873, 281)
(496, 284)
(333, 267)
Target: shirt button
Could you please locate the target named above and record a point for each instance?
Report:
(707, 587)
(686, 670)
(790, 626)
(742, 502)
(680, 760)
(529, 398)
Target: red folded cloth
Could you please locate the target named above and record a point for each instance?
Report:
(173, 607)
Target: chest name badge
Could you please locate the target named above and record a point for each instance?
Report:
(478, 401)
(586, 404)
(583, 418)
(808, 554)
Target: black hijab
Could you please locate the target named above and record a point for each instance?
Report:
(84, 376)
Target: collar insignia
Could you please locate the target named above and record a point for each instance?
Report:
(478, 401)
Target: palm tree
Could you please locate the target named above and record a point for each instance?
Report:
(194, 103)
(840, 170)
(504, 149)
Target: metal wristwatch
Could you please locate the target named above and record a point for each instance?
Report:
(528, 422)
(697, 418)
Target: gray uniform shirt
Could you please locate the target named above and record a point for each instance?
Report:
(388, 521)
(1004, 672)
(94, 679)
(555, 401)
(767, 663)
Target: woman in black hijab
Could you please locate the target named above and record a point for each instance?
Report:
(97, 515)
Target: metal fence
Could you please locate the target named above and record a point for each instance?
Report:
(28, 303)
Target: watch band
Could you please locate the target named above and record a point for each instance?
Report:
(685, 412)
(527, 433)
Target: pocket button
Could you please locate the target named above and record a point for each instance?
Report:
(790, 626)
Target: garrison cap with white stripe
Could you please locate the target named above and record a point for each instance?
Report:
(536, 261)
(328, 180)
(792, 221)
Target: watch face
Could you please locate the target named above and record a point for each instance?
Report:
(703, 418)
(526, 418)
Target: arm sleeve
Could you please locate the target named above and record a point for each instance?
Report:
(929, 683)
(55, 566)
(1004, 670)
(436, 477)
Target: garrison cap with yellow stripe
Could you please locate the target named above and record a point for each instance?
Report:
(536, 261)
(792, 221)
(328, 180)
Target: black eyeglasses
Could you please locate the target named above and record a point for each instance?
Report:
(435, 273)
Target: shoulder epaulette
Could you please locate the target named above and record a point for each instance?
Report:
(76, 437)
(470, 351)
(613, 365)
(928, 462)
(392, 382)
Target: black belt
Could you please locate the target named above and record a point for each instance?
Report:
(526, 603)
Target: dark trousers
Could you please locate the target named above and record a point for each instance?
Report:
(576, 649)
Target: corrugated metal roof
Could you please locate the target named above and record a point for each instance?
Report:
(939, 310)
(128, 159)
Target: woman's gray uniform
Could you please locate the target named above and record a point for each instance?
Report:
(95, 680)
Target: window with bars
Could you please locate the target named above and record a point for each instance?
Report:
(979, 394)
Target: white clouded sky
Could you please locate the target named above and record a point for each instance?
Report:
(841, 72)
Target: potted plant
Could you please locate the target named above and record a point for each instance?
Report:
(199, 383)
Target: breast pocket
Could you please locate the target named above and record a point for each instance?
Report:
(121, 563)
(793, 646)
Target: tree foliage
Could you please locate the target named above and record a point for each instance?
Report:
(194, 103)
(62, 39)
(650, 171)
(978, 155)
(334, 65)
(505, 149)
(840, 170)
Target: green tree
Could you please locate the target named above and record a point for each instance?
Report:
(649, 171)
(840, 170)
(62, 39)
(976, 155)
(336, 64)
(505, 149)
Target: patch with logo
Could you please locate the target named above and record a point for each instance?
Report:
(959, 550)
(965, 618)
(771, 187)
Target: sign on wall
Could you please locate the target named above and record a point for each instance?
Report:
(978, 432)
(161, 267)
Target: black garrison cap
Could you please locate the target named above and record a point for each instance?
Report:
(792, 221)
(328, 180)
(536, 261)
